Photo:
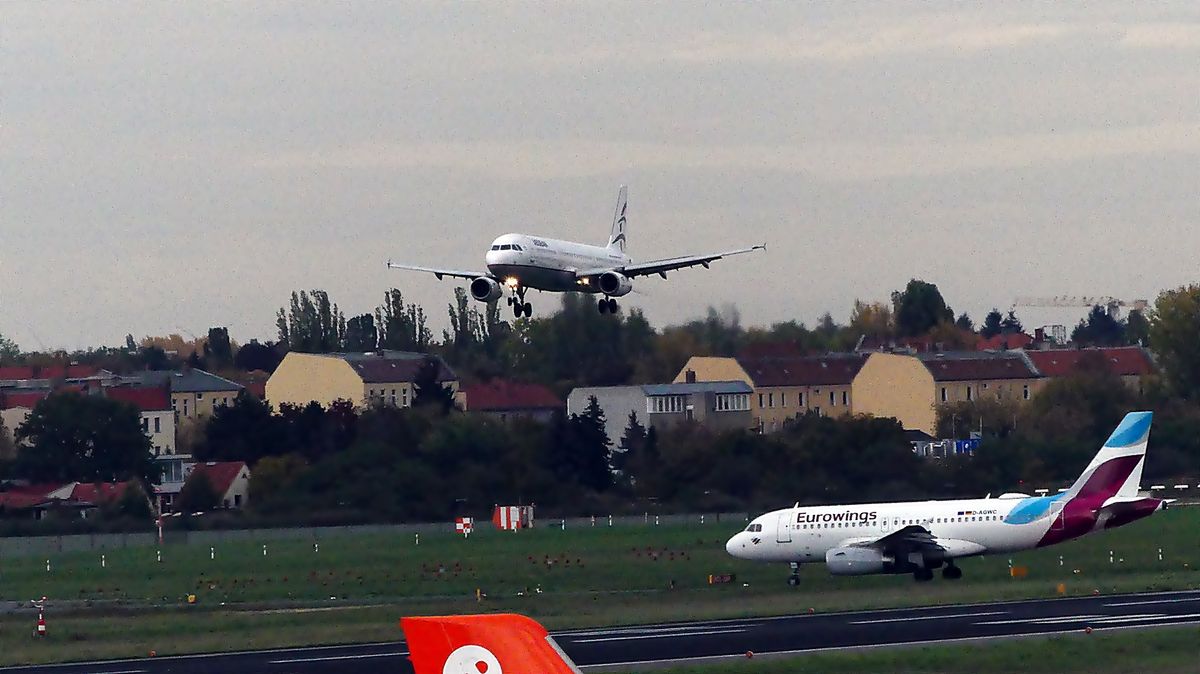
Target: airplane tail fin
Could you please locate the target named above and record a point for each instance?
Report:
(483, 644)
(1116, 469)
(616, 239)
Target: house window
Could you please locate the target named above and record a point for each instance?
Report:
(845, 397)
(664, 404)
(800, 399)
(969, 394)
(404, 397)
(145, 425)
(782, 399)
(760, 401)
(770, 400)
(832, 400)
(733, 402)
(199, 396)
(158, 424)
(943, 394)
(1025, 392)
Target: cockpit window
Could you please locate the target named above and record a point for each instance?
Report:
(516, 247)
(506, 247)
(495, 247)
(754, 528)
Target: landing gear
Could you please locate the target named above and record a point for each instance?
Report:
(607, 305)
(518, 303)
(951, 572)
(794, 579)
(923, 575)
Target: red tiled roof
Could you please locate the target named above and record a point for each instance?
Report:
(48, 371)
(28, 495)
(501, 394)
(146, 399)
(1016, 340)
(1122, 360)
(977, 366)
(220, 473)
(803, 371)
(99, 492)
(11, 399)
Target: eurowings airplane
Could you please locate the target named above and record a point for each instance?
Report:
(518, 262)
(483, 644)
(918, 537)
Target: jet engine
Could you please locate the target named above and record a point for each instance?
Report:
(486, 289)
(856, 561)
(614, 284)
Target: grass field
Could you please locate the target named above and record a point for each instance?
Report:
(600, 576)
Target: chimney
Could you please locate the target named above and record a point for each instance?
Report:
(1039, 334)
(690, 376)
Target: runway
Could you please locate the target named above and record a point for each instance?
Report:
(655, 645)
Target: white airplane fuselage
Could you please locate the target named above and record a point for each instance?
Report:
(547, 264)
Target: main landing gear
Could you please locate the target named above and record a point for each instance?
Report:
(518, 303)
(607, 305)
(794, 579)
(951, 572)
(922, 575)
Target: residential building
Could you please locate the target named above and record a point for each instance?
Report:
(1006, 341)
(373, 378)
(720, 405)
(80, 498)
(507, 400)
(158, 421)
(195, 394)
(784, 387)
(230, 479)
(1131, 363)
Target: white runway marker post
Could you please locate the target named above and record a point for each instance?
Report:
(1160, 554)
(103, 562)
(316, 547)
(212, 553)
(264, 549)
(47, 566)
(158, 556)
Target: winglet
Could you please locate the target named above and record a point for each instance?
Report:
(483, 644)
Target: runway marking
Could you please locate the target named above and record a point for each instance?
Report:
(925, 617)
(362, 656)
(651, 630)
(1048, 620)
(1147, 617)
(1155, 601)
(631, 637)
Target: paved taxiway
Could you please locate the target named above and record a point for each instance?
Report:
(634, 647)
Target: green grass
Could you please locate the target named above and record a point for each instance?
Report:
(1162, 651)
(600, 576)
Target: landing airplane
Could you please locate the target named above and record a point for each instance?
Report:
(518, 262)
(918, 537)
(483, 644)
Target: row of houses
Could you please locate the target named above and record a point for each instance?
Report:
(764, 392)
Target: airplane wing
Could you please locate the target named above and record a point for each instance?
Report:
(912, 538)
(453, 273)
(661, 267)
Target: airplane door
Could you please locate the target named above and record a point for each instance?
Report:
(783, 530)
(887, 524)
(1056, 512)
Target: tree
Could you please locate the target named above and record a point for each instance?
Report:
(1175, 334)
(69, 437)
(9, 351)
(401, 327)
(133, 503)
(1099, 329)
(272, 477)
(964, 322)
(8, 450)
(255, 356)
(919, 307)
(311, 324)
(632, 442)
(361, 334)
(993, 324)
(198, 494)
(1137, 329)
(1011, 325)
(218, 351)
(244, 431)
(428, 389)
(872, 320)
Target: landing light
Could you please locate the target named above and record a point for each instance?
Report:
(583, 281)
(511, 282)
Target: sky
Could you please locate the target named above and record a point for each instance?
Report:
(166, 167)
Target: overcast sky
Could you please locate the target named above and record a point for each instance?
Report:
(165, 167)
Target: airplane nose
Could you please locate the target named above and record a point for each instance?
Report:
(735, 545)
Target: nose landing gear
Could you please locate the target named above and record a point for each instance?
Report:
(951, 572)
(794, 579)
(518, 303)
(607, 305)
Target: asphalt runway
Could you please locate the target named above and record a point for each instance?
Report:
(650, 645)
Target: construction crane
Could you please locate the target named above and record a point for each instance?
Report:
(1112, 304)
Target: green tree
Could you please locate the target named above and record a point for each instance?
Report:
(218, 350)
(198, 494)
(244, 431)
(428, 390)
(255, 356)
(272, 478)
(995, 416)
(964, 322)
(8, 449)
(919, 307)
(361, 334)
(401, 326)
(312, 323)
(1011, 325)
(872, 320)
(1175, 334)
(9, 351)
(133, 503)
(1099, 329)
(993, 324)
(629, 447)
(1137, 329)
(69, 436)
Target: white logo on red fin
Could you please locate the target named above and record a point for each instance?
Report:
(471, 659)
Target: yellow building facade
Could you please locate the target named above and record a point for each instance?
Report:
(380, 378)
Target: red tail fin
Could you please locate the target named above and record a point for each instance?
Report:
(483, 644)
